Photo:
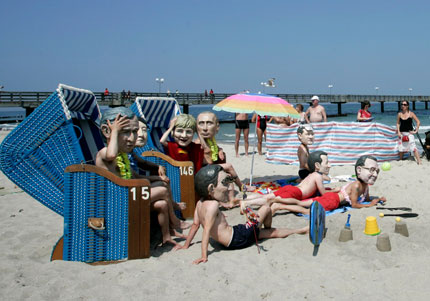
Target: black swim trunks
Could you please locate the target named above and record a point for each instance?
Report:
(242, 124)
(243, 237)
(303, 173)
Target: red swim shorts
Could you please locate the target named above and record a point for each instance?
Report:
(330, 200)
(289, 191)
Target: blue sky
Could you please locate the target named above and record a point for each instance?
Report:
(228, 46)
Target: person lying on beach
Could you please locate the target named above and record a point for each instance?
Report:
(353, 194)
(207, 128)
(212, 184)
(120, 127)
(319, 165)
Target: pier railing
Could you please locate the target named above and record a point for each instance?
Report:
(30, 100)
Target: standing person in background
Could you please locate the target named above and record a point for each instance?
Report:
(212, 95)
(363, 114)
(405, 131)
(261, 130)
(302, 119)
(242, 124)
(206, 94)
(316, 112)
(106, 92)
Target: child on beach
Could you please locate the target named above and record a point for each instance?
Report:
(318, 164)
(353, 194)
(120, 127)
(212, 184)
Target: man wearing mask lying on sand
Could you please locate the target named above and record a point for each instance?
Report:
(212, 184)
(354, 194)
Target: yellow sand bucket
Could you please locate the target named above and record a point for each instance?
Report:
(371, 226)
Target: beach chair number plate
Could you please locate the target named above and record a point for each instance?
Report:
(186, 170)
(144, 190)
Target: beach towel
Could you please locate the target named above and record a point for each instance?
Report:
(344, 142)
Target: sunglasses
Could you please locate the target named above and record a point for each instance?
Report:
(228, 180)
(405, 104)
(372, 169)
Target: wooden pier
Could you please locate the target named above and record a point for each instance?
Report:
(30, 100)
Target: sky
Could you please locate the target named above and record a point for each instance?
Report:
(227, 46)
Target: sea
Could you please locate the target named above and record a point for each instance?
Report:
(226, 133)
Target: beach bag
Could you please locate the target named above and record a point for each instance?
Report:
(405, 139)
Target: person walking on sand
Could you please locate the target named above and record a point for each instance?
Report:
(242, 124)
(405, 131)
(316, 111)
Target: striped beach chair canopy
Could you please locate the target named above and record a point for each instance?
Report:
(344, 142)
(158, 111)
(60, 132)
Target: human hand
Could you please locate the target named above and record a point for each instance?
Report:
(119, 123)
(197, 261)
(382, 199)
(179, 247)
(161, 170)
(165, 179)
(221, 155)
(172, 123)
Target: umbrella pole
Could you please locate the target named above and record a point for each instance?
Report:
(253, 152)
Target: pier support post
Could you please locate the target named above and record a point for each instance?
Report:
(185, 108)
(413, 105)
(28, 111)
(398, 105)
(426, 105)
(339, 108)
(382, 107)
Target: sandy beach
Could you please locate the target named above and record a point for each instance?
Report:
(284, 270)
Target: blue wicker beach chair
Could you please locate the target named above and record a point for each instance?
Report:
(158, 111)
(45, 156)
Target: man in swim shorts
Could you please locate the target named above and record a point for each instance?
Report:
(305, 133)
(354, 194)
(289, 195)
(212, 184)
(242, 124)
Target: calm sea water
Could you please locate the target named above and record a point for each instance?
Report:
(227, 130)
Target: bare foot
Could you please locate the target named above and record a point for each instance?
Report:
(303, 230)
(174, 232)
(250, 188)
(275, 207)
(182, 206)
(231, 204)
(171, 242)
(184, 225)
(237, 155)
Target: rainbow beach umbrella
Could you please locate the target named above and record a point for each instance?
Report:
(261, 104)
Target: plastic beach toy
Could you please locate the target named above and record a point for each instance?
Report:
(371, 227)
(386, 166)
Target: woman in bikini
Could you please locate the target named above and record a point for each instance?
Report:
(405, 131)
(364, 115)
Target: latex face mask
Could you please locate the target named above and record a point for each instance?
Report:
(142, 135)
(127, 136)
(307, 137)
(183, 136)
(324, 166)
(220, 192)
(369, 172)
(207, 125)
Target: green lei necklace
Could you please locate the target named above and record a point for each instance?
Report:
(124, 166)
(214, 148)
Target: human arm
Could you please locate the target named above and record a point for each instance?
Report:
(112, 148)
(324, 114)
(355, 194)
(193, 230)
(306, 115)
(359, 118)
(254, 118)
(163, 139)
(209, 221)
(398, 125)
(417, 121)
